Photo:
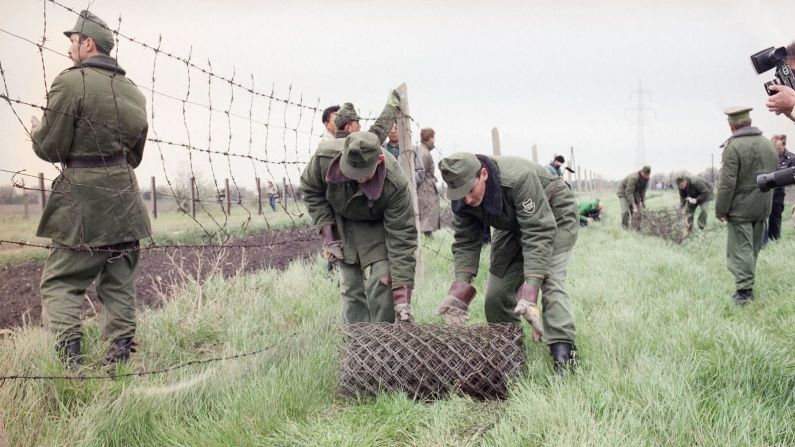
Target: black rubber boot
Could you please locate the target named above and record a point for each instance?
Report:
(70, 353)
(564, 355)
(743, 296)
(120, 351)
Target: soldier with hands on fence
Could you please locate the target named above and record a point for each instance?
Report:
(632, 194)
(95, 127)
(694, 192)
(358, 197)
(535, 219)
(739, 201)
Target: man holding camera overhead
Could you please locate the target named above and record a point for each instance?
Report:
(739, 201)
(783, 101)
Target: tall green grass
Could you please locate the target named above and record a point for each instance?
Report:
(666, 359)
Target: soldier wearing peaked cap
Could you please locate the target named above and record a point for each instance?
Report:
(632, 194)
(739, 202)
(535, 219)
(359, 199)
(95, 127)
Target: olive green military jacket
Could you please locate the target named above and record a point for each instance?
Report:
(633, 188)
(745, 155)
(534, 214)
(697, 188)
(372, 225)
(93, 113)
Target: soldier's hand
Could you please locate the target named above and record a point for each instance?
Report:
(394, 99)
(332, 251)
(527, 298)
(455, 306)
(692, 200)
(35, 124)
(332, 247)
(401, 300)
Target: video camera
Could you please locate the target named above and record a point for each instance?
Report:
(774, 58)
(782, 177)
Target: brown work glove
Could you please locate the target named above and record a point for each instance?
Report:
(401, 299)
(455, 305)
(527, 298)
(332, 247)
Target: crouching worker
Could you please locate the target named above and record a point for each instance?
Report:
(535, 219)
(359, 199)
(589, 211)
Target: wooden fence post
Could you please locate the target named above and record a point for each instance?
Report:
(154, 198)
(495, 142)
(228, 197)
(259, 196)
(535, 153)
(193, 196)
(41, 188)
(406, 160)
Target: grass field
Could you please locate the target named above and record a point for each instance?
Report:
(170, 227)
(666, 360)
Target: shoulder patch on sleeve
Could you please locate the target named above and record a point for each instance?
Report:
(529, 207)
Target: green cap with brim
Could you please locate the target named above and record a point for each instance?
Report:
(459, 171)
(92, 26)
(345, 115)
(738, 113)
(360, 156)
(646, 170)
(679, 180)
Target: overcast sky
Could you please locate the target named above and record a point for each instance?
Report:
(555, 74)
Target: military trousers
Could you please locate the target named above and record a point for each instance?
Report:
(702, 217)
(557, 311)
(68, 273)
(366, 292)
(742, 250)
(774, 222)
(626, 212)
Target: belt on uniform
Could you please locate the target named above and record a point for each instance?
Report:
(96, 162)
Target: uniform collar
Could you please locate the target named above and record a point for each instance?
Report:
(103, 62)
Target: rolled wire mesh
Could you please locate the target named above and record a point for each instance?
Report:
(430, 361)
(668, 224)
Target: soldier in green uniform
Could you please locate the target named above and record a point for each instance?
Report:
(694, 192)
(589, 210)
(360, 201)
(632, 194)
(95, 128)
(535, 220)
(739, 202)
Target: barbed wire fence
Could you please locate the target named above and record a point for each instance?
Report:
(211, 134)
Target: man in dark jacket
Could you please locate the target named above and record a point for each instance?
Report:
(785, 160)
(739, 201)
(694, 192)
(95, 128)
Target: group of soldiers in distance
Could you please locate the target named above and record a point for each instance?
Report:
(359, 199)
(752, 217)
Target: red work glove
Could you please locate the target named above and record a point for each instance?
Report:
(454, 307)
(332, 247)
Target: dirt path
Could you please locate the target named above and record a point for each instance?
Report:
(159, 271)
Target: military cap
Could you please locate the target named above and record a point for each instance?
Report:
(738, 113)
(646, 170)
(679, 180)
(345, 115)
(92, 26)
(459, 171)
(360, 156)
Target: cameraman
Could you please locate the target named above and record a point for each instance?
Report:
(784, 100)
(785, 160)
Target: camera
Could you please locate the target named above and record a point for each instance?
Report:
(782, 177)
(770, 58)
